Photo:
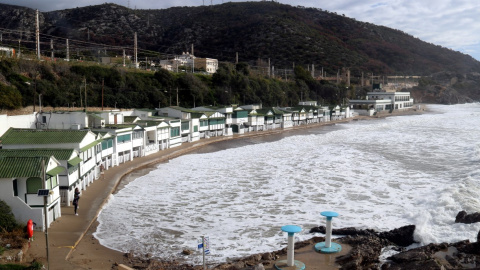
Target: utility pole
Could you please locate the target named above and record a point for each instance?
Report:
(102, 92)
(313, 70)
(85, 81)
(45, 212)
(135, 50)
(177, 96)
(51, 49)
(123, 57)
(68, 52)
(236, 58)
(37, 34)
(81, 99)
(269, 73)
(34, 89)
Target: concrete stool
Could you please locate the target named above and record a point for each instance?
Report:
(290, 263)
(328, 246)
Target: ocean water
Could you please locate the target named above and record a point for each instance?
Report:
(379, 174)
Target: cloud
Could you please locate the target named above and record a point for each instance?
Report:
(449, 23)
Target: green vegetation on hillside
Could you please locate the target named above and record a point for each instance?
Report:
(284, 34)
(62, 84)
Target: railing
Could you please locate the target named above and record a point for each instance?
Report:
(150, 147)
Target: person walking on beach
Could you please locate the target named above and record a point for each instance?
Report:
(102, 171)
(76, 197)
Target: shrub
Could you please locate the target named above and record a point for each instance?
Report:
(7, 219)
(15, 238)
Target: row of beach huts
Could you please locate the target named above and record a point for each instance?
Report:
(59, 151)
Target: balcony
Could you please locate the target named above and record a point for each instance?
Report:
(34, 199)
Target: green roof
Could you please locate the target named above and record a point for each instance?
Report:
(129, 119)
(90, 145)
(208, 114)
(59, 154)
(38, 136)
(277, 111)
(21, 166)
(148, 123)
(197, 114)
(74, 161)
(56, 171)
(183, 109)
(264, 112)
(120, 126)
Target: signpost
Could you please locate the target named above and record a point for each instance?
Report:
(205, 246)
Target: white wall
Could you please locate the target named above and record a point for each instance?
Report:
(16, 121)
(63, 120)
(22, 211)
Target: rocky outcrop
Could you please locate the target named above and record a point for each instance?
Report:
(366, 248)
(460, 255)
(365, 252)
(402, 236)
(343, 231)
(463, 217)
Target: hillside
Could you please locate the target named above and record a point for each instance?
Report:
(283, 33)
(256, 30)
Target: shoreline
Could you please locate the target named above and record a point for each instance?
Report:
(72, 244)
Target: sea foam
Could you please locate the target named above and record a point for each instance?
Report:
(383, 174)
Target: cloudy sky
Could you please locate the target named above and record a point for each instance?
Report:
(449, 23)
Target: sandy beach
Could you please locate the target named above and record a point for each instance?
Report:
(71, 241)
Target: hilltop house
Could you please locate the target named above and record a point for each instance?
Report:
(187, 60)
